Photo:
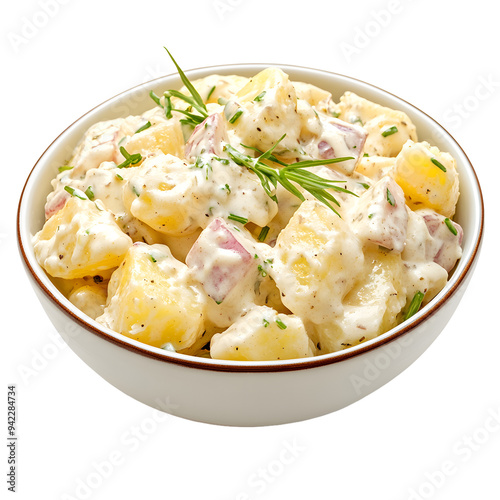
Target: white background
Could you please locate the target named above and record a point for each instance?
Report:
(393, 444)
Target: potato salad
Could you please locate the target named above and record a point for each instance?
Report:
(252, 219)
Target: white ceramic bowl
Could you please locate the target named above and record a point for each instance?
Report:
(247, 393)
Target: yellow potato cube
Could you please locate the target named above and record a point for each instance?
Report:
(268, 107)
(263, 335)
(80, 240)
(152, 299)
(428, 178)
(318, 259)
(162, 193)
(90, 298)
(375, 167)
(388, 129)
(370, 308)
(162, 137)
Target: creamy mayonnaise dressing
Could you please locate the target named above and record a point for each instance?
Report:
(166, 229)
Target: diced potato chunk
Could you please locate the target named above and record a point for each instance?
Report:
(213, 87)
(317, 262)
(428, 177)
(380, 215)
(152, 299)
(375, 167)
(262, 335)
(269, 110)
(162, 137)
(370, 308)
(90, 298)
(161, 193)
(79, 240)
(378, 121)
(315, 96)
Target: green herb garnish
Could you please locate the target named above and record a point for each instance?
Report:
(90, 193)
(364, 184)
(266, 323)
(262, 271)
(144, 127)
(270, 177)
(389, 131)
(210, 92)
(450, 226)
(390, 198)
(194, 93)
(75, 192)
(156, 99)
(129, 159)
(152, 258)
(203, 162)
(263, 233)
(118, 176)
(438, 164)
(134, 190)
(260, 96)
(415, 304)
(237, 218)
(280, 324)
(235, 116)
(63, 168)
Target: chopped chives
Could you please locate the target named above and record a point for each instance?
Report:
(210, 92)
(63, 168)
(266, 323)
(237, 218)
(280, 324)
(129, 159)
(90, 193)
(438, 164)
(390, 198)
(235, 116)
(144, 127)
(389, 131)
(450, 226)
(262, 271)
(152, 258)
(415, 304)
(75, 192)
(263, 233)
(260, 96)
(118, 176)
(364, 184)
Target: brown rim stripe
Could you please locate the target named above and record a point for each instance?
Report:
(257, 366)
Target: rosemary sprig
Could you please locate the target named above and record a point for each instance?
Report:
(269, 177)
(290, 173)
(187, 83)
(194, 100)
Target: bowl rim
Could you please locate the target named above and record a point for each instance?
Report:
(253, 366)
